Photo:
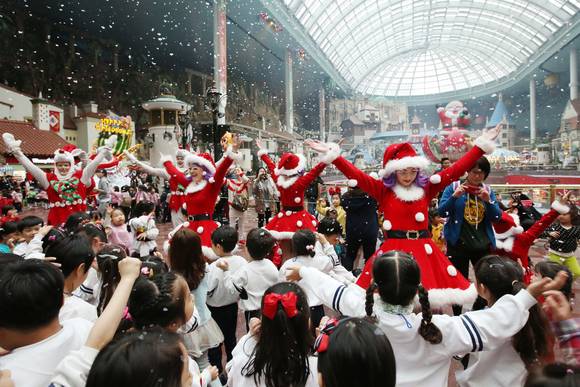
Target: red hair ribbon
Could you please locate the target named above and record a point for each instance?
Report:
(321, 342)
(334, 191)
(288, 301)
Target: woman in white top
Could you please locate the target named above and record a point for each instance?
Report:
(280, 354)
(423, 344)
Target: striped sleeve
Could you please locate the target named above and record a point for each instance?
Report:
(347, 300)
(487, 329)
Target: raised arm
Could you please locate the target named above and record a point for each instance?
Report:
(174, 172)
(159, 172)
(13, 146)
(365, 182)
(304, 181)
(534, 232)
(263, 154)
(104, 152)
(482, 145)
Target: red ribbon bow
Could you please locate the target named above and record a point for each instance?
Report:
(288, 301)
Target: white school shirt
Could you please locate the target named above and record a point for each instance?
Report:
(318, 262)
(243, 352)
(420, 363)
(90, 289)
(255, 278)
(338, 271)
(217, 293)
(502, 367)
(34, 365)
(74, 307)
(74, 369)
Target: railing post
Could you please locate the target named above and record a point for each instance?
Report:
(552, 192)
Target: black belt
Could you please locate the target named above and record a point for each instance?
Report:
(411, 234)
(193, 218)
(293, 209)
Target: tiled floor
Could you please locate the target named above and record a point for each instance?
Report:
(537, 252)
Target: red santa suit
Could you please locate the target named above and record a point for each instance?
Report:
(66, 193)
(291, 185)
(177, 190)
(512, 241)
(406, 218)
(200, 198)
(451, 120)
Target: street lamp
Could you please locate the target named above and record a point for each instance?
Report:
(212, 101)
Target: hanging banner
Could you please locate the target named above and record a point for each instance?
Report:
(54, 120)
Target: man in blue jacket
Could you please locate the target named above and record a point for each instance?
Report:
(470, 208)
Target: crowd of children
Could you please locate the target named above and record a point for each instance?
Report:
(91, 302)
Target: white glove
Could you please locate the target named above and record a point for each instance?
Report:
(12, 144)
(130, 156)
(107, 149)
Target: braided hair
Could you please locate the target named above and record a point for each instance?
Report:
(158, 301)
(397, 278)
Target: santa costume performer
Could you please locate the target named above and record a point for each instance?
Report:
(512, 241)
(177, 190)
(202, 188)
(67, 186)
(404, 194)
(291, 182)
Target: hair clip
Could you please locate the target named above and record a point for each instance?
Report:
(113, 257)
(52, 238)
(514, 282)
(321, 342)
(310, 247)
(127, 315)
(147, 271)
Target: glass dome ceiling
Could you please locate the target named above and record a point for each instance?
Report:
(407, 48)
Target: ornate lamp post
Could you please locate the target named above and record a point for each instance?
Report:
(212, 101)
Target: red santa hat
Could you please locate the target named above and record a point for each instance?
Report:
(507, 226)
(290, 164)
(204, 160)
(401, 156)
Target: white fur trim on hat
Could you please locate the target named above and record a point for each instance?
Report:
(429, 250)
(198, 160)
(286, 182)
(332, 154)
(419, 217)
(560, 208)
(387, 225)
(450, 296)
(61, 156)
(262, 152)
(293, 171)
(435, 179)
(181, 153)
(352, 183)
(391, 166)
(408, 194)
(486, 145)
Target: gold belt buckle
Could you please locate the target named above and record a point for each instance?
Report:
(412, 232)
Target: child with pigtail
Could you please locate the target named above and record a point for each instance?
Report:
(424, 344)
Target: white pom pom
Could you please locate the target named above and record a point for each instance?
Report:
(200, 230)
(352, 183)
(387, 225)
(288, 213)
(280, 214)
(299, 223)
(428, 249)
(419, 216)
(211, 180)
(435, 179)
(451, 270)
(314, 223)
(297, 200)
(218, 224)
(380, 252)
